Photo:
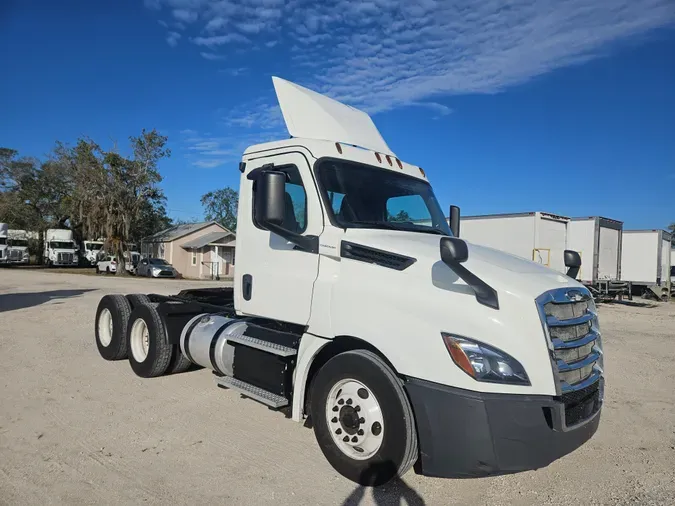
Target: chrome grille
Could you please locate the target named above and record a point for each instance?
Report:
(570, 321)
(65, 257)
(15, 254)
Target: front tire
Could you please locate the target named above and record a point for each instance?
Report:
(112, 317)
(362, 418)
(149, 352)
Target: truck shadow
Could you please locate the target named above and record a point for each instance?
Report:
(396, 492)
(13, 301)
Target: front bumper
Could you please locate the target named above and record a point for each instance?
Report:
(466, 434)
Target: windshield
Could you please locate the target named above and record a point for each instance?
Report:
(158, 261)
(19, 242)
(93, 246)
(360, 196)
(62, 245)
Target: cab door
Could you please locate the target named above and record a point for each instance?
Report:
(273, 277)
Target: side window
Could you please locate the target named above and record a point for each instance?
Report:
(335, 199)
(194, 257)
(408, 208)
(295, 215)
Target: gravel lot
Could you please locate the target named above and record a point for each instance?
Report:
(75, 429)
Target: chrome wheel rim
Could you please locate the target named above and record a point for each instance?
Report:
(105, 327)
(140, 340)
(354, 419)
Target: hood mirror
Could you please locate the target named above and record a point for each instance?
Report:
(573, 262)
(454, 250)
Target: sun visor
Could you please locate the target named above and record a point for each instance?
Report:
(311, 115)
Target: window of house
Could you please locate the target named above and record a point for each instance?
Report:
(232, 262)
(194, 257)
(295, 218)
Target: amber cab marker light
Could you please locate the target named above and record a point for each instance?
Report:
(339, 148)
(458, 356)
(422, 172)
(379, 158)
(400, 165)
(389, 159)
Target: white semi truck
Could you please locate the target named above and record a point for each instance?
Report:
(60, 248)
(4, 232)
(18, 246)
(404, 344)
(92, 251)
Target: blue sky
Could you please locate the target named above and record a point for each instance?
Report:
(565, 106)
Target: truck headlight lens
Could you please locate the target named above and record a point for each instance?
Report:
(483, 362)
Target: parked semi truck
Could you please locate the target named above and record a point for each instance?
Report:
(17, 252)
(645, 261)
(60, 248)
(404, 344)
(92, 251)
(4, 229)
(537, 236)
(598, 241)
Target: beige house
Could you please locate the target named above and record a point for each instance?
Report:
(197, 250)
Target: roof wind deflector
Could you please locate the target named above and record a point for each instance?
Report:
(310, 115)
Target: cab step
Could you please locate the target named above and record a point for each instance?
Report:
(268, 398)
(263, 345)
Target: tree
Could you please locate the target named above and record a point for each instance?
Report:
(402, 216)
(221, 206)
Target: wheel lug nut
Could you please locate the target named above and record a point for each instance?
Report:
(338, 432)
(357, 408)
(349, 401)
(355, 439)
(362, 420)
(334, 419)
(341, 402)
(360, 432)
(345, 439)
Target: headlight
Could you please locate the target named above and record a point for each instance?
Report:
(483, 362)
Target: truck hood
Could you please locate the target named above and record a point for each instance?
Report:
(502, 271)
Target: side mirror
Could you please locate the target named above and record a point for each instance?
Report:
(454, 250)
(454, 220)
(572, 262)
(270, 198)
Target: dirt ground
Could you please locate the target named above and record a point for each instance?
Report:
(75, 429)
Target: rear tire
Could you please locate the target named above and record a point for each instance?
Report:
(137, 299)
(179, 362)
(110, 328)
(380, 446)
(149, 352)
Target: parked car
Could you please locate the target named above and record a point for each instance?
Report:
(155, 268)
(107, 264)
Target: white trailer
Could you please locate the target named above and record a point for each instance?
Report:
(598, 242)
(4, 229)
(60, 248)
(404, 343)
(537, 236)
(645, 261)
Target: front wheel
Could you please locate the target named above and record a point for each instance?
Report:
(362, 419)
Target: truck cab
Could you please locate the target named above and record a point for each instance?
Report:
(4, 229)
(356, 304)
(17, 252)
(60, 249)
(92, 251)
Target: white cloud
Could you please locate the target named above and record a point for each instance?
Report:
(163, 23)
(234, 72)
(219, 40)
(212, 56)
(383, 54)
(185, 15)
(172, 38)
